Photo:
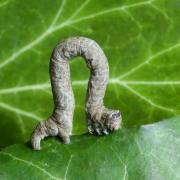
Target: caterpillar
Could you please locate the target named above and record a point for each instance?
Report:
(100, 120)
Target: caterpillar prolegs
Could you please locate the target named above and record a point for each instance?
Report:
(100, 120)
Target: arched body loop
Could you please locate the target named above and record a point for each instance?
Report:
(100, 119)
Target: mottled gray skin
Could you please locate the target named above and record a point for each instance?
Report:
(100, 119)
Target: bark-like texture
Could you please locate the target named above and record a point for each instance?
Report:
(100, 119)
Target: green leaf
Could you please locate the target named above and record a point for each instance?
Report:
(140, 38)
(146, 152)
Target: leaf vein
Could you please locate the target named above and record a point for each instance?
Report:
(67, 168)
(149, 101)
(30, 164)
(147, 61)
(44, 86)
(19, 111)
(62, 25)
(4, 3)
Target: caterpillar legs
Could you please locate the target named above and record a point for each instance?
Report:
(105, 122)
(47, 128)
(101, 123)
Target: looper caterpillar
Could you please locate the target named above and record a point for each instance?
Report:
(100, 119)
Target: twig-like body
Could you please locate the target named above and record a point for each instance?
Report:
(100, 119)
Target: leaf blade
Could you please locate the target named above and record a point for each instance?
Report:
(146, 152)
(140, 39)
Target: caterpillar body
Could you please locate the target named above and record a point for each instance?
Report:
(100, 120)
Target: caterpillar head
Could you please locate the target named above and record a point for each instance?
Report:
(112, 119)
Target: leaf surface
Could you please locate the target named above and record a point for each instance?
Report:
(140, 39)
(146, 152)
